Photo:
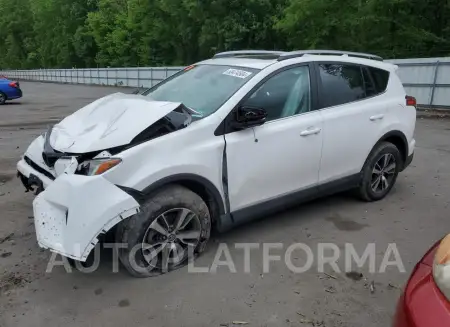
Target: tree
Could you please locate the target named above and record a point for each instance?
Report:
(86, 33)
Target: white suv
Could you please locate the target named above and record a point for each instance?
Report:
(223, 141)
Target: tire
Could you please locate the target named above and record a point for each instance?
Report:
(2, 98)
(147, 250)
(87, 264)
(374, 186)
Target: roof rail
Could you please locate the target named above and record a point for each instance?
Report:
(300, 53)
(250, 53)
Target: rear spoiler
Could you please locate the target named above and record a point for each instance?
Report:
(391, 65)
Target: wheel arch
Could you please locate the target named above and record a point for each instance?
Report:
(397, 138)
(197, 184)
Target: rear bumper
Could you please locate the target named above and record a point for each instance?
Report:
(13, 93)
(408, 161)
(74, 210)
(410, 157)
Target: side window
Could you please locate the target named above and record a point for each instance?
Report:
(341, 83)
(283, 95)
(369, 85)
(380, 78)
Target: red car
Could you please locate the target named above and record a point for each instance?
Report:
(426, 299)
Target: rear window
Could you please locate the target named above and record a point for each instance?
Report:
(341, 83)
(344, 83)
(369, 84)
(380, 78)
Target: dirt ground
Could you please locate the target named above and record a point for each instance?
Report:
(413, 216)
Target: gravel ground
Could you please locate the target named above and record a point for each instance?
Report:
(413, 217)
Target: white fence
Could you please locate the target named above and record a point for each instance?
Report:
(133, 77)
(427, 79)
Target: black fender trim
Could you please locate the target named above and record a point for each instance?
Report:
(394, 133)
(140, 196)
(400, 134)
(137, 195)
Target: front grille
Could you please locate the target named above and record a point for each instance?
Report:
(38, 168)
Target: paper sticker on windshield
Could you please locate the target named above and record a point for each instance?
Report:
(237, 73)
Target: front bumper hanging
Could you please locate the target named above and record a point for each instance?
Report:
(74, 210)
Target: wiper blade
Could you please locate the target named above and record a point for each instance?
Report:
(192, 111)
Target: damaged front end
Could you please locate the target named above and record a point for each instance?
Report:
(75, 210)
(75, 203)
(102, 129)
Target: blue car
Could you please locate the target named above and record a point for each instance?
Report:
(9, 90)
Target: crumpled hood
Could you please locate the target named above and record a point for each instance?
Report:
(108, 122)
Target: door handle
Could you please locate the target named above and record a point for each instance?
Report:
(310, 131)
(376, 117)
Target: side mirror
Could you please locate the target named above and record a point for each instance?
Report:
(249, 117)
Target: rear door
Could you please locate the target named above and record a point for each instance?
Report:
(353, 112)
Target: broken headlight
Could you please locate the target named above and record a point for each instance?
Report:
(97, 166)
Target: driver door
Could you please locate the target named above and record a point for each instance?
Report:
(277, 162)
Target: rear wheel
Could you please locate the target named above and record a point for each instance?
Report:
(380, 172)
(2, 98)
(173, 225)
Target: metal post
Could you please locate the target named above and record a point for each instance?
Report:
(90, 76)
(151, 77)
(138, 79)
(107, 80)
(434, 82)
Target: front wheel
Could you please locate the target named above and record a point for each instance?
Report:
(173, 225)
(380, 172)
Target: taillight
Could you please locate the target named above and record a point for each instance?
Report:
(410, 101)
(14, 84)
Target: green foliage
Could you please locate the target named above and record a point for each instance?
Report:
(86, 33)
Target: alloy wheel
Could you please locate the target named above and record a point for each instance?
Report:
(383, 173)
(169, 238)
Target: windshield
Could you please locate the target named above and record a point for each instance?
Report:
(203, 88)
